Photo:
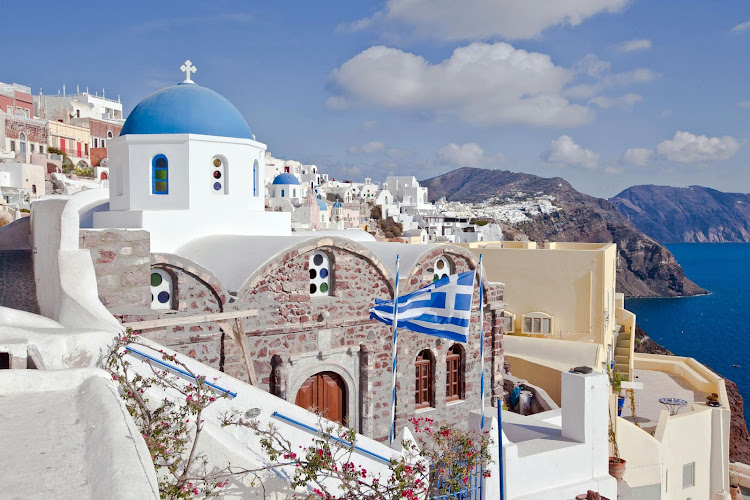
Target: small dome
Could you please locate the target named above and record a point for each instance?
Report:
(285, 179)
(337, 204)
(186, 108)
(322, 205)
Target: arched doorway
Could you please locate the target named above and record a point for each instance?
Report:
(326, 392)
(104, 176)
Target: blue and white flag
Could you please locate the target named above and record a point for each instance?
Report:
(442, 309)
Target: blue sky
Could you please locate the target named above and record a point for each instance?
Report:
(605, 93)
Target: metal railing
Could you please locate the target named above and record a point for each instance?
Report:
(472, 490)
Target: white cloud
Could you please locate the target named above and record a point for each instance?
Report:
(638, 156)
(481, 19)
(481, 83)
(605, 79)
(398, 153)
(369, 124)
(686, 147)
(626, 101)
(744, 104)
(368, 148)
(635, 44)
(466, 155)
(565, 151)
(613, 170)
(740, 27)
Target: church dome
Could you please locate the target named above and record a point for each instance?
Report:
(322, 205)
(186, 108)
(285, 179)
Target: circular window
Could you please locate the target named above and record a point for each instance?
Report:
(217, 162)
(217, 185)
(156, 279)
(313, 288)
(313, 274)
(442, 268)
(440, 264)
(217, 175)
(163, 297)
(323, 273)
(318, 259)
(161, 162)
(323, 287)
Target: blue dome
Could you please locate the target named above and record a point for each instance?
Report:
(322, 205)
(186, 108)
(337, 204)
(285, 179)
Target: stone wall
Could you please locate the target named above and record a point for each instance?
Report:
(121, 260)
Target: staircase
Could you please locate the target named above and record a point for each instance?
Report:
(623, 353)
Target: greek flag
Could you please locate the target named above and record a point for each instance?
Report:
(441, 309)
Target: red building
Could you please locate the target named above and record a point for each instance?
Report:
(16, 99)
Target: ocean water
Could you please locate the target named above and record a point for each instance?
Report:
(715, 328)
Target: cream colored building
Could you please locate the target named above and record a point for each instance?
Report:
(73, 140)
(563, 311)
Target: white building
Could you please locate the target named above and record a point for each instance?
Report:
(182, 149)
(79, 105)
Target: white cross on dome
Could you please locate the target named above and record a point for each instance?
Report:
(188, 68)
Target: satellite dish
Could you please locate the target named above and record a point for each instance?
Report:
(104, 163)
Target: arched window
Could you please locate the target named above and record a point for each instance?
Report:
(162, 289)
(454, 376)
(442, 268)
(159, 175)
(320, 274)
(255, 178)
(109, 134)
(219, 175)
(425, 369)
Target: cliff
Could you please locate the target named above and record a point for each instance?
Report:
(645, 268)
(693, 214)
(739, 440)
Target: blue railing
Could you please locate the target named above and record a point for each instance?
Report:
(178, 371)
(472, 490)
(334, 438)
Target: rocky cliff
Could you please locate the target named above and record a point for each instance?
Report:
(693, 214)
(739, 440)
(645, 268)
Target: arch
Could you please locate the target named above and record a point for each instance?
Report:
(307, 370)
(109, 134)
(443, 267)
(454, 373)
(159, 175)
(219, 175)
(424, 392)
(104, 176)
(325, 392)
(320, 267)
(313, 244)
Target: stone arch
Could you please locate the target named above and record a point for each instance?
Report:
(310, 245)
(173, 262)
(300, 370)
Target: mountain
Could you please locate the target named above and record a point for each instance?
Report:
(645, 268)
(694, 214)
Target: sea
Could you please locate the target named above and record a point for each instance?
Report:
(714, 328)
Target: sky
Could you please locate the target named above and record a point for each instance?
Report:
(604, 93)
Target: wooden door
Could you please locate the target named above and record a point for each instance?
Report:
(326, 392)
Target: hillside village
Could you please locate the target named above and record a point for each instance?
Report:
(258, 275)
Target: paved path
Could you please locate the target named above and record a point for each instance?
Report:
(17, 286)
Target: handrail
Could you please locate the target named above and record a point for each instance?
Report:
(317, 431)
(178, 370)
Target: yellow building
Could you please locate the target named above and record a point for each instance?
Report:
(73, 140)
(563, 311)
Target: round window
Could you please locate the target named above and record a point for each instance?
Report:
(217, 162)
(318, 259)
(324, 273)
(217, 174)
(163, 297)
(313, 274)
(217, 185)
(156, 279)
(313, 288)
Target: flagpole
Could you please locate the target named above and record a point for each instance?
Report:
(481, 335)
(392, 433)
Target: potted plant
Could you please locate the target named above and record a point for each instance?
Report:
(616, 380)
(616, 464)
(713, 400)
